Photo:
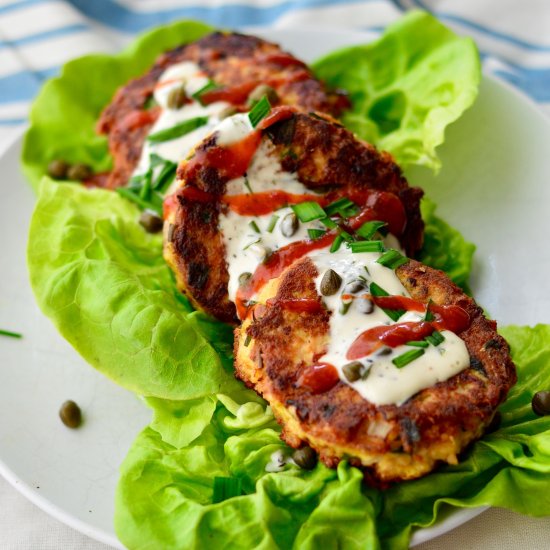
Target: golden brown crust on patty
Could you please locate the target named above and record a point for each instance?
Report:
(391, 442)
(230, 59)
(325, 157)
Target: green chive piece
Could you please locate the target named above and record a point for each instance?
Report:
(210, 85)
(165, 177)
(248, 338)
(346, 236)
(315, 233)
(225, 488)
(247, 185)
(308, 211)
(10, 334)
(259, 111)
(145, 191)
(368, 229)
(435, 338)
(408, 357)
(178, 130)
(272, 223)
(131, 196)
(254, 226)
(367, 246)
(250, 244)
(341, 206)
(328, 223)
(429, 315)
(344, 307)
(375, 290)
(392, 259)
(156, 160)
(336, 244)
(418, 344)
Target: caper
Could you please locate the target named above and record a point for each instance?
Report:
(354, 286)
(260, 251)
(352, 371)
(289, 224)
(244, 278)
(330, 283)
(364, 305)
(176, 98)
(70, 414)
(227, 112)
(79, 172)
(57, 169)
(541, 403)
(259, 91)
(151, 221)
(385, 351)
(305, 457)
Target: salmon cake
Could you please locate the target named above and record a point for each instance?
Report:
(394, 369)
(240, 193)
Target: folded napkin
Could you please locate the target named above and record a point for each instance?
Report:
(38, 36)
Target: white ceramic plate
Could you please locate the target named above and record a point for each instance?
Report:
(493, 187)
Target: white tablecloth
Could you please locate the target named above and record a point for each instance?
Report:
(36, 36)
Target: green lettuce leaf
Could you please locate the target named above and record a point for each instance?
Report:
(407, 86)
(444, 247)
(165, 490)
(64, 115)
(103, 281)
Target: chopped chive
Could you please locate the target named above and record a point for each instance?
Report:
(392, 259)
(10, 334)
(226, 487)
(259, 111)
(210, 85)
(178, 130)
(155, 160)
(253, 242)
(145, 191)
(344, 307)
(165, 177)
(136, 182)
(408, 357)
(336, 243)
(248, 338)
(254, 226)
(308, 211)
(368, 229)
(418, 344)
(429, 315)
(247, 185)
(328, 223)
(272, 223)
(346, 236)
(393, 314)
(435, 338)
(367, 246)
(131, 196)
(315, 233)
(340, 206)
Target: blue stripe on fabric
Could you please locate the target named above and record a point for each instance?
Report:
(46, 35)
(534, 82)
(19, 5)
(112, 14)
(23, 85)
(12, 121)
(486, 30)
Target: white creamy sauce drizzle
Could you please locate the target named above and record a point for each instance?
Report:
(383, 383)
(190, 76)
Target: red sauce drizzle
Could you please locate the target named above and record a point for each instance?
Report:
(283, 112)
(319, 378)
(137, 119)
(450, 317)
(259, 204)
(281, 59)
(236, 95)
(398, 302)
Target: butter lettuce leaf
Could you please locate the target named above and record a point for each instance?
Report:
(64, 115)
(406, 87)
(165, 490)
(103, 281)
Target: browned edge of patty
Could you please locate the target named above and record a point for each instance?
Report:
(325, 156)
(434, 425)
(229, 59)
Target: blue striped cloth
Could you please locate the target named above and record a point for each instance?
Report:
(37, 36)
